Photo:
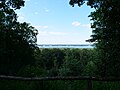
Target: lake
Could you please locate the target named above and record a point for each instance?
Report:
(65, 46)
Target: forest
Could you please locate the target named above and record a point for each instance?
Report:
(20, 56)
(62, 62)
(52, 63)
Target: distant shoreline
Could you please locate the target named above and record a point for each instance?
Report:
(65, 45)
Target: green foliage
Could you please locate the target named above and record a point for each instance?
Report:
(65, 85)
(17, 85)
(97, 85)
(106, 34)
(17, 40)
(50, 60)
(62, 62)
(76, 62)
(32, 71)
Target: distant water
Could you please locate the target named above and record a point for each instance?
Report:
(65, 46)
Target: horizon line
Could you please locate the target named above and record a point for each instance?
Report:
(64, 44)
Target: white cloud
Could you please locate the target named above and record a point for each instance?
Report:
(46, 10)
(36, 13)
(86, 25)
(76, 23)
(49, 33)
(60, 37)
(39, 27)
(42, 33)
(47, 37)
(45, 26)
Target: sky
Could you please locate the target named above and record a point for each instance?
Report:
(56, 21)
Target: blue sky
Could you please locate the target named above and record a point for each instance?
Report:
(57, 22)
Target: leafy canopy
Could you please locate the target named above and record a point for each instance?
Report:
(106, 34)
(17, 40)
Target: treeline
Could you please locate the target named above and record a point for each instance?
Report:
(55, 62)
(62, 62)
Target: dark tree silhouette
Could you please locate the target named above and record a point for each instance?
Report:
(17, 40)
(106, 34)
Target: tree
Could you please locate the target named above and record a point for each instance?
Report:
(77, 62)
(106, 34)
(17, 40)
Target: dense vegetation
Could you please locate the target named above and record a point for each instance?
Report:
(64, 62)
(60, 62)
(55, 62)
(106, 34)
(17, 40)
(19, 55)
